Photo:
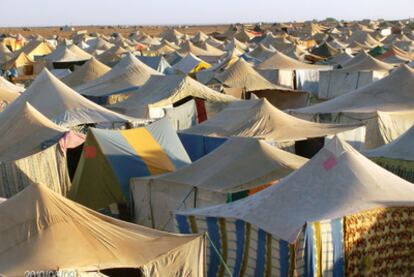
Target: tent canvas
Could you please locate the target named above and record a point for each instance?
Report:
(43, 231)
(219, 176)
(110, 158)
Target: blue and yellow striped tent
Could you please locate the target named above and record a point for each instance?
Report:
(111, 157)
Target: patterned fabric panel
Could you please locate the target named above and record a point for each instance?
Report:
(245, 249)
(47, 167)
(324, 249)
(380, 242)
(403, 169)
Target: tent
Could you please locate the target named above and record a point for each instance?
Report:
(166, 91)
(191, 64)
(158, 63)
(396, 156)
(28, 152)
(6, 97)
(66, 57)
(320, 220)
(98, 44)
(4, 84)
(87, 72)
(241, 75)
(61, 104)
(210, 54)
(260, 119)
(42, 231)
(129, 73)
(237, 168)
(260, 53)
(285, 71)
(171, 35)
(5, 53)
(20, 62)
(355, 73)
(35, 49)
(390, 94)
(112, 56)
(111, 157)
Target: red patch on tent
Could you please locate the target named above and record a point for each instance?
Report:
(329, 163)
(201, 110)
(90, 152)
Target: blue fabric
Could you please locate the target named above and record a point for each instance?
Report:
(261, 254)
(240, 241)
(199, 146)
(310, 257)
(284, 257)
(182, 224)
(337, 237)
(213, 232)
(123, 159)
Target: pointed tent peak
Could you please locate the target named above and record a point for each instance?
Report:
(131, 61)
(364, 61)
(346, 183)
(266, 164)
(242, 75)
(260, 119)
(89, 71)
(24, 131)
(36, 118)
(55, 242)
(279, 60)
(63, 105)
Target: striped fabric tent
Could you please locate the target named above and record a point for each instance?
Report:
(338, 215)
(111, 157)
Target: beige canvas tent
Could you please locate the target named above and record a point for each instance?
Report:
(87, 72)
(361, 70)
(21, 62)
(241, 75)
(236, 169)
(61, 104)
(285, 71)
(128, 73)
(112, 56)
(390, 94)
(28, 152)
(260, 119)
(6, 97)
(43, 231)
(164, 91)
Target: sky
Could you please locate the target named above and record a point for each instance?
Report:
(166, 12)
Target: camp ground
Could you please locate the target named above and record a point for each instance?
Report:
(191, 149)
